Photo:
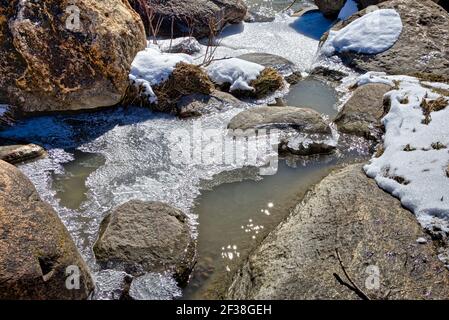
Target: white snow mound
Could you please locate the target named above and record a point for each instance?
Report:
(152, 67)
(373, 33)
(239, 73)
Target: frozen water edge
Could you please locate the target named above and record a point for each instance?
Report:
(292, 38)
(135, 143)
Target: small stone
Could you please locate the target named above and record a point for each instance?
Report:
(21, 153)
(421, 240)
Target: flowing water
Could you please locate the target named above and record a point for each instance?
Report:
(99, 160)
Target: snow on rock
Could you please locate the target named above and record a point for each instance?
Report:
(152, 67)
(239, 73)
(415, 160)
(348, 10)
(373, 33)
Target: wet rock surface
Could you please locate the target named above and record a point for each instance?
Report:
(345, 226)
(37, 254)
(301, 119)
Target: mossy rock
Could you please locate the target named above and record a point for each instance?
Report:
(186, 79)
(266, 83)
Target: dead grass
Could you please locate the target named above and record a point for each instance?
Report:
(431, 77)
(440, 91)
(186, 79)
(438, 146)
(430, 106)
(404, 101)
(268, 82)
(409, 148)
(380, 149)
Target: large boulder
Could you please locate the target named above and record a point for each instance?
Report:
(197, 18)
(303, 131)
(146, 237)
(38, 259)
(330, 8)
(53, 61)
(348, 239)
(362, 114)
(422, 47)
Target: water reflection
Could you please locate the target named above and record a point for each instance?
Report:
(235, 217)
(313, 94)
(70, 185)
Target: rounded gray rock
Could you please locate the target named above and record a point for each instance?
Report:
(147, 236)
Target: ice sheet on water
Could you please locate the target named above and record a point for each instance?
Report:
(135, 143)
(154, 286)
(109, 284)
(295, 39)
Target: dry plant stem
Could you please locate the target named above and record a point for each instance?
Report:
(290, 5)
(354, 286)
(171, 34)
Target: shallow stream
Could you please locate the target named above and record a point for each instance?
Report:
(98, 160)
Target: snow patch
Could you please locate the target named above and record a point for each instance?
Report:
(152, 67)
(414, 164)
(373, 33)
(239, 73)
